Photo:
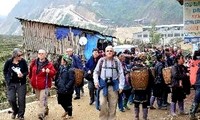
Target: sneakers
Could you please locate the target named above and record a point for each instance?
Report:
(69, 117)
(127, 108)
(152, 108)
(20, 118)
(13, 116)
(173, 114)
(41, 116)
(91, 102)
(46, 111)
(184, 113)
(121, 110)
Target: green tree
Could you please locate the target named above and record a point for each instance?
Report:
(154, 36)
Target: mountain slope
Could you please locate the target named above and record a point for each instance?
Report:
(94, 13)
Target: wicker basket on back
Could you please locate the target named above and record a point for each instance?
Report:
(167, 73)
(139, 78)
(79, 74)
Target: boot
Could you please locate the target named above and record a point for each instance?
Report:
(64, 114)
(181, 108)
(173, 109)
(69, 111)
(193, 110)
(137, 111)
(145, 113)
(46, 111)
(152, 99)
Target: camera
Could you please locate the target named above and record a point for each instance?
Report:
(109, 81)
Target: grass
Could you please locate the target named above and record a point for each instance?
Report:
(8, 43)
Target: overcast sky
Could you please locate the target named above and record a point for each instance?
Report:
(6, 6)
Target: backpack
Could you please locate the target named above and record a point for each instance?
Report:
(101, 64)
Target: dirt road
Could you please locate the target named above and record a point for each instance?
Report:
(83, 111)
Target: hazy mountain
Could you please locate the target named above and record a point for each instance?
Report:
(2, 18)
(94, 14)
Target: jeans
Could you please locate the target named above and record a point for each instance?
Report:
(197, 96)
(17, 98)
(120, 101)
(131, 98)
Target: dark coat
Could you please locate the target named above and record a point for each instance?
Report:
(76, 63)
(158, 73)
(9, 73)
(90, 65)
(65, 81)
(169, 61)
(179, 73)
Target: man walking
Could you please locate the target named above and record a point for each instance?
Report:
(41, 75)
(109, 79)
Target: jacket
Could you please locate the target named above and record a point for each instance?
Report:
(90, 65)
(38, 78)
(77, 63)
(65, 81)
(8, 72)
(179, 74)
(158, 73)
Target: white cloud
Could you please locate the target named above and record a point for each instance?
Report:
(6, 6)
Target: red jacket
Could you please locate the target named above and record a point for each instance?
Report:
(37, 77)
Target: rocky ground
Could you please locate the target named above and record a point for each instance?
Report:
(83, 111)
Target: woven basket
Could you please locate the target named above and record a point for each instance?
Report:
(167, 73)
(79, 74)
(139, 78)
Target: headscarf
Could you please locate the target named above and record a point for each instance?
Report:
(67, 59)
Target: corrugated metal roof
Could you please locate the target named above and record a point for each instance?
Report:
(60, 25)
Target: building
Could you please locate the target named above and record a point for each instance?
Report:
(167, 33)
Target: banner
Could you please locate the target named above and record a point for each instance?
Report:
(192, 21)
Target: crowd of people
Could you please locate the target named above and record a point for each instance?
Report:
(108, 75)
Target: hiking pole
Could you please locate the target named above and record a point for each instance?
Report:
(46, 93)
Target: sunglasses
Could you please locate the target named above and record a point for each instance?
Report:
(20, 55)
(109, 51)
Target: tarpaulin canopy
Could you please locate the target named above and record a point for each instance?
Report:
(62, 32)
(92, 40)
(91, 44)
(109, 39)
(76, 32)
